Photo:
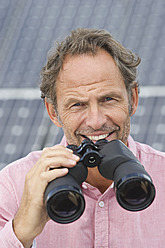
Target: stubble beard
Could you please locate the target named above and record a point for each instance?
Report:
(76, 139)
(125, 133)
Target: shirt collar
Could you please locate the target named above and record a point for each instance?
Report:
(132, 145)
(64, 141)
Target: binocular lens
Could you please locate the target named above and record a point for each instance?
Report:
(64, 200)
(66, 206)
(135, 194)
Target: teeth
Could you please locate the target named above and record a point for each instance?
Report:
(98, 137)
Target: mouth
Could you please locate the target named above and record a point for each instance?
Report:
(95, 138)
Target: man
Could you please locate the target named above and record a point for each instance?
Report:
(90, 90)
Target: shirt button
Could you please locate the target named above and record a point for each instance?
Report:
(84, 186)
(101, 204)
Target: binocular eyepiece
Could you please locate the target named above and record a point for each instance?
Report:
(132, 184)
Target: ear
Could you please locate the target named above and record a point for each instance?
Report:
(134, 100)
(52, 113)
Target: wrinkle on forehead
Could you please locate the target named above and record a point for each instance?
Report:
(76, 63)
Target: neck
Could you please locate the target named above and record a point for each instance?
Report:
(97, 180)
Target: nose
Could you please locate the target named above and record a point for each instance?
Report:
(96, 117)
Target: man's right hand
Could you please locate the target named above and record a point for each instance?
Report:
(31, 217)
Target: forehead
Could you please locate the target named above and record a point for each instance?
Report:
(87, 69)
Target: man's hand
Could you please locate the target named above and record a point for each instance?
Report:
(32, 216)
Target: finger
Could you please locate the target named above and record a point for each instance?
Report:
(52, 163)
(59, 151)
(48, 176)
(55, 159)
(57, 148)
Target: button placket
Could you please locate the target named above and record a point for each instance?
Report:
(101, 223)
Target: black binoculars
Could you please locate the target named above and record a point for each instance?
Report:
(132, 184)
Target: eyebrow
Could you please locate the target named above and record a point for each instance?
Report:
(74, 100)
(112, 93)
(85, 100)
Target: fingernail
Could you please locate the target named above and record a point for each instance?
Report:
(75, 157)
(64, 170)
(71, 161)
(69, 150)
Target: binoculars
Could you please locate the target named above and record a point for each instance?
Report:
(133, 186)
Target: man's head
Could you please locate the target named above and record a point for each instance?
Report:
(84, 41)
(90, 69)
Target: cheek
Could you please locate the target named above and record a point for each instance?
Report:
(71, 120)
(119, 114)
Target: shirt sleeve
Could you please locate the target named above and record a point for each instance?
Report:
(12, 179)
(8, 238)
(8, 208)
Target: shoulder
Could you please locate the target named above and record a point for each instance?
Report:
(23, 165)
(144, 150)
(141, 150)
(26, 163)
(12, 177)
(152, 160)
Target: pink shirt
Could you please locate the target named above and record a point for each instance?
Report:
(104, 223)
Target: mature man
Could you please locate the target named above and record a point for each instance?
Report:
(90, 90)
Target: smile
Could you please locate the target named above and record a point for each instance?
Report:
(98, 137)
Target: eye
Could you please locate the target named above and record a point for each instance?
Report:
(77, 104)
(107, 99)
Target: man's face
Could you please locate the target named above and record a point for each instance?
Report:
(92, 100)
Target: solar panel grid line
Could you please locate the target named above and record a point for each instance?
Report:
(13, 143)
(127, 11)
(34, 93)
(139, 27)
(12, 33)
(143, 121)
(42, 132)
